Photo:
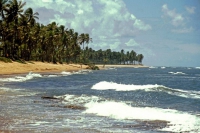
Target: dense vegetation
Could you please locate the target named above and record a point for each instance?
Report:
(23, 38)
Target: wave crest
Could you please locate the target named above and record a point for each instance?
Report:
(177, 73)
(104, 85)
(21, 78)
(178, 121)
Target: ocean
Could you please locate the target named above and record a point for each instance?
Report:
(115, 100)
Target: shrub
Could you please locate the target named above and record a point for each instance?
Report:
(6, 60)
(93, 67)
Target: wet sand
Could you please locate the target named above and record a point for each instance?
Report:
(121, 66)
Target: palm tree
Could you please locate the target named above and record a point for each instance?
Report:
(122, 56)
(140, 58)
(3, 7)
(12, 17)
(133, 56)
(31, 16)
(15, 10)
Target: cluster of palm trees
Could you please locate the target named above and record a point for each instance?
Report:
(112, 57)
(22, 37)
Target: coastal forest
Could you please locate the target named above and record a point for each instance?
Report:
(23, 38)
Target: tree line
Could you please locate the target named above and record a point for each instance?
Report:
(22, 37)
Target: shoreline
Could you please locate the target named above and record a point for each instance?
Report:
(121, 66)
(43, 67)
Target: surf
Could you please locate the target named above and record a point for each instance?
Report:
(29, 76)
(104, 85)
(178, 121)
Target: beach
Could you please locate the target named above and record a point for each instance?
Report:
(20, 68)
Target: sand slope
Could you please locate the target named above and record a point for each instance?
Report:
(15, 67)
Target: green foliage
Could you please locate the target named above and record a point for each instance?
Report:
(92, 67)
(6, 60)
(21, 61)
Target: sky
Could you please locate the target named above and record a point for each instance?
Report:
(166, 32)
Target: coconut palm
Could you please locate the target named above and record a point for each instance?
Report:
(140, 58)
(31, 16)
(15, 10)
(3, 8)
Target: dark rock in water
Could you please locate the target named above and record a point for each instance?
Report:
(53, 99)
(146, 125)
(74, 107)
(156, 124)
(48, 97)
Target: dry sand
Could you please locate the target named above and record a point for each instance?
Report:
(19, 68)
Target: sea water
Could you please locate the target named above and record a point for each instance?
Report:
(121, 100)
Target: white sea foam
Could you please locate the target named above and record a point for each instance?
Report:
(104, 85)
(111, 68)
(163, 67)
(66, 73)
(50, 76)
(21, 78)
(179, 121)
(4, 89)
(177, 73)
(78, 100)
(197, 67)
(152, 67)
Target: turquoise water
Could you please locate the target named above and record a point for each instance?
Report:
(155, 99)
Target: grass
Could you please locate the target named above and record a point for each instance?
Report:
(6, 60)
(21, 61)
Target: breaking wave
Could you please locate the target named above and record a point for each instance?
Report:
(21, 78)
(178, 121)
(104, 85)
(177, 73)
(152, 67)
(66, 73)
(32, 75)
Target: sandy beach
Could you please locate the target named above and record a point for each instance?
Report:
(19, 68)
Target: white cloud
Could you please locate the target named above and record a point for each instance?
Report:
(105, 15)
(132, 42)
(80, 12)
(176, 18)
(46, 0)
(190, 10)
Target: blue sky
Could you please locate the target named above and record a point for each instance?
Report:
(166, 32)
